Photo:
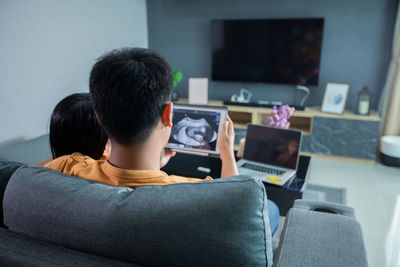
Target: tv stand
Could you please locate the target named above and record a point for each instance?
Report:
(324, 133)
(256, 104)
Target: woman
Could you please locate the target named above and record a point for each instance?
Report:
(74, 128)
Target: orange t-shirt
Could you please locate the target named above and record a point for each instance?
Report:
(103, 172)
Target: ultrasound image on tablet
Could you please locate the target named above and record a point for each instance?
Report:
(194, 129)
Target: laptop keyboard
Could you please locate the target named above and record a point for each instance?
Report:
(261, 168)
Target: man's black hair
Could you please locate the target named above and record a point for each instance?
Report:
(130, 88)
(75, 128)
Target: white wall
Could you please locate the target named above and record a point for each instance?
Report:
(47, 48)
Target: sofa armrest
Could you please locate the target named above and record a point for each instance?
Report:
(327, 207)
(314, 238)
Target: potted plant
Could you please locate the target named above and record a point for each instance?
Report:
(178, 76)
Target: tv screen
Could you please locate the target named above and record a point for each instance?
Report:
(267, 50)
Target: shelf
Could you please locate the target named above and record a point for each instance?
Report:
(240, 125)
(240, 118)
(298, 121)
(349, 115)
(305, 124)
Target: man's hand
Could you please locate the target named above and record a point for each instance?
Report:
(225, 142)
(165, 157)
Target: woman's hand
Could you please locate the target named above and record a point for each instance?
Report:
(165, 157)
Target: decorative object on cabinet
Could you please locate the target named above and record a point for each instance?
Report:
(244, 97)
(364, 101)
(279, 116)
(198, 91)
(177, 76)
(305, 91)
(335, 97)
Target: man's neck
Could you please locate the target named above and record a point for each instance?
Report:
(137, 156)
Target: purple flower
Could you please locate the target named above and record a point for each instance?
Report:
(279, 116)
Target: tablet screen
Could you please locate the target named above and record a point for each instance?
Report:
(194, 129)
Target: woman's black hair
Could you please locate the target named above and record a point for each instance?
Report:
(74, 127)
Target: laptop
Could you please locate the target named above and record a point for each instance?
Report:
(270, 154)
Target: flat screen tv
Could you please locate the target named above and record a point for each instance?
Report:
(267, 50)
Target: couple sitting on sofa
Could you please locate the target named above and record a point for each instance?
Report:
(130, 93)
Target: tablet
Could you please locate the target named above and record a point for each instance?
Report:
(196, 129)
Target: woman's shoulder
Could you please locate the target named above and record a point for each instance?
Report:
(69, 160)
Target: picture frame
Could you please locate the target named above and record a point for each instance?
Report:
(335, 97)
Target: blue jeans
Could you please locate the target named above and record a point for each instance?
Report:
(273, 214)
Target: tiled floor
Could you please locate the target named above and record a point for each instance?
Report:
(374, 191)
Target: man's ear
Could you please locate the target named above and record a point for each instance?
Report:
(166, 117)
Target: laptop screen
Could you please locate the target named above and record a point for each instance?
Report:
(273, 146)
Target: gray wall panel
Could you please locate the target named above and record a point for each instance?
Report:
(356, 43)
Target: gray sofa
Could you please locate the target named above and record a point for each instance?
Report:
(51, 219)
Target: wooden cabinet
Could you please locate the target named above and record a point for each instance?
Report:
(345, 135)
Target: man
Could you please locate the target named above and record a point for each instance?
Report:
(131, 94)
(131, 90)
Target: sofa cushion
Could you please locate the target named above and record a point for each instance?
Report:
(7, 168)
(222, 222)
(18, 250)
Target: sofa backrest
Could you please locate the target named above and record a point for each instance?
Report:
(221, 223)
(7, 168)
